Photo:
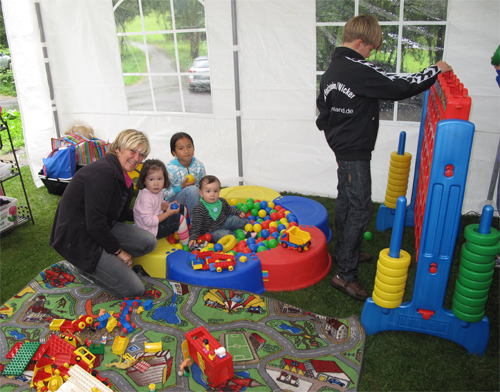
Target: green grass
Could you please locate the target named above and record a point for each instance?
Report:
(393, 360)
(13, 117)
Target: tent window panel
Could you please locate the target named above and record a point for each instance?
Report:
(421, 46)
(127, 16)
(189, 14)
(386, 110)
(138, 94)
(198, 98)
(334, 11)
(383, 10)
(327, 39)
(192, 46)
(161, 53)
(386, 57)
(426, 10)
(411, 109)
(157, 15)
(413, 38)
(133, 57)
(166, 93)
(163, 42)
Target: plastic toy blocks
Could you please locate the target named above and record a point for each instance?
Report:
(17, 364)
(85, 381)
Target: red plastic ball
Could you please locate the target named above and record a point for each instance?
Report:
(171, 239)
(207, 237)
(292, 224)
(265, 224)
(246, 250)
(274, 216)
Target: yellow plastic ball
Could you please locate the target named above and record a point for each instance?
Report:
(176, 236)
(284, 220)
(233, 202)
(257, 228)
(273, 224)
(190, 178)
(287, 212)
(178, 246)
(248, 227)
(271, 204)
(262, 213)
(286, 224)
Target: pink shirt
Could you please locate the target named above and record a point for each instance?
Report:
(146, 210)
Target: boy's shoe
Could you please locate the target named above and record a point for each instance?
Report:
(352, 289)
(139, 270)
(363, 258)
(497, 261)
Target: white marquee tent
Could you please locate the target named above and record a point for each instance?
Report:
(282, 149)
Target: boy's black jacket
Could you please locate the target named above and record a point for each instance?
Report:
(348, 101)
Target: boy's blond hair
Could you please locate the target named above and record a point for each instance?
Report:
(364, 27)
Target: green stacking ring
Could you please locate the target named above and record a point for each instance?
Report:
(486, 250)
(474, 284)
(471, 310)
(473, 236)
(477, 276)
(474, 302)
(474, 256)
(467, 317)
(477, 267)
(471, 293)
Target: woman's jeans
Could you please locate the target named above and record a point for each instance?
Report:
(352, 214)
(118, 278)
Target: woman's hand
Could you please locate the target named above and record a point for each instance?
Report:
(125, 257)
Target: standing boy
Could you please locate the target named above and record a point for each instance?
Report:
(349, 115)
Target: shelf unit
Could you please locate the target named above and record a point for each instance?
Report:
(23, 211)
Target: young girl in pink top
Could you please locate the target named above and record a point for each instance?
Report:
(151, 212)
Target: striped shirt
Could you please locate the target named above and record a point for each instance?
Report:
(202, 222)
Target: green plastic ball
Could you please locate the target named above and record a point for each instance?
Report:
(368, 236)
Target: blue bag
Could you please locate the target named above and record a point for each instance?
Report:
(60, 163)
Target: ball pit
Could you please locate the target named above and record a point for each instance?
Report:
(267, 265)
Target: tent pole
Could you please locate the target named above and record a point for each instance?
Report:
(237, 91)
(47, 67)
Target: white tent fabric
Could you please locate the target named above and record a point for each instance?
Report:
(282, 149)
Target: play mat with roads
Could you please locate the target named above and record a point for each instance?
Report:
(273, 345)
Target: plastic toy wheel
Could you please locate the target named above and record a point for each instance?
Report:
(82, 325)
(78, 358)
(284, 245)
(89, 320)
(300, 249)
(219, 269)
(473, 236)
(228, 242)
(230, 268)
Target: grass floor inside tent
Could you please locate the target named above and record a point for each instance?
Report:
(393, 360)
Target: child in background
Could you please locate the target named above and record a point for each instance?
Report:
(213, 214)
(182, 188)
(151, 212)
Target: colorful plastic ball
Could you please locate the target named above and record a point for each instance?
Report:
(247, 250)
(275, 235)
(250, 241)
(174, 206)
(247, 215)
(259, 240)
(252, 247)
(368, 236)
(239, 205)
(251, 217)
(240, 234)
(268, 209)
(250, 200)
(272, 229)
(233, 252)
(218, 247)
(254, 211)
(283, 220)
(265, 224)
(281, 214)
(249, 205)
(277, 208)
(270, 204)
(272, 243)
(291, 218)
(267, 218)
(195, 252)
(186, 248)
(261, 249)
(244, 209)
(233, 202)
(263, 204)
(178, 246)
(259, 234)
(274, 216)
(207, 237)
(265, 243)
(273, 224)
(281, 226)
(248, 227)
(256, 205)
(171, 239)
(262, 213)
(293, 224)
(260, 220)
(264, 233)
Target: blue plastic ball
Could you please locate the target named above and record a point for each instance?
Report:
(275, 235)
(291, 218)
(268, 210)
(264, 233)
(281, 226)
(252, 247)
(263, 204)
(250, 241)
